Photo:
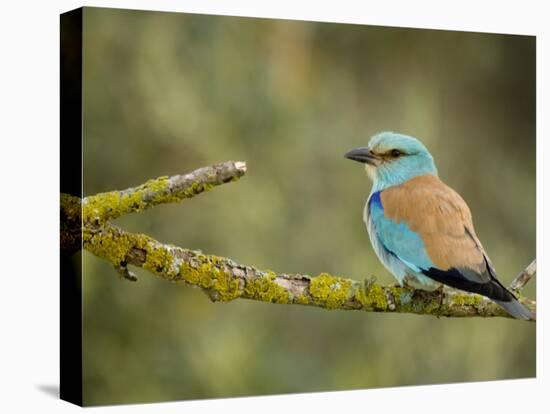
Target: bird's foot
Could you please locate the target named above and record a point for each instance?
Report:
(407, 285)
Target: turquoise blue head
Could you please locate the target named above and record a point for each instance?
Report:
(391, 159)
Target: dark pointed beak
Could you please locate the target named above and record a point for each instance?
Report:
(364, 155)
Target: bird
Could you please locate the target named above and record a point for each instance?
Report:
(420, 228)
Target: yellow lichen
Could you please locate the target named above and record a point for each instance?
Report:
(70, 206)
(330, 291)
(395, 292)
(266, 289)
(377, 297)
(196, 188)
(104, 206)
(301, 300)
(207, 273)
(105, 245)
(158, 260)
(373, 298)
(465, 299)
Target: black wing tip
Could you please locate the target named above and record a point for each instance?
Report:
(455, 278)
(492, 289)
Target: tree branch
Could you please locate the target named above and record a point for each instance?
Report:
(523, 277)
(223, 279)
(109, 206)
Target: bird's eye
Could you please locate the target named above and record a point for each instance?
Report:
(395, 153)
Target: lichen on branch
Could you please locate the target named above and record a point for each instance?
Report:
(224, 280)
(108, 206)
(221, 278)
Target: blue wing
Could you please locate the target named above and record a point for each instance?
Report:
(397, 239)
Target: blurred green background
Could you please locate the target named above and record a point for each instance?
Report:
(166, 93)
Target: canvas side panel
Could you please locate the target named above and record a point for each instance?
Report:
(71, 29)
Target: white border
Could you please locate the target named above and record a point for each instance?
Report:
(29, 158)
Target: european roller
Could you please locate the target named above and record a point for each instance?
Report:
(420, 228)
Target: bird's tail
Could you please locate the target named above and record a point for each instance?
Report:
(516, 309)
